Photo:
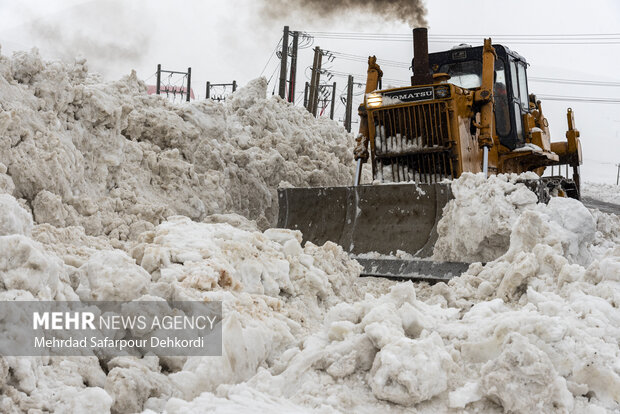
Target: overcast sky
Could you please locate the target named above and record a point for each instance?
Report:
(226, 40)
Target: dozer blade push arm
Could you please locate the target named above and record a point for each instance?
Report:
(569, 151)
(374, 75)
(484, 96)
(360, 152)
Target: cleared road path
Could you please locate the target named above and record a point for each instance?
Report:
(601, 205)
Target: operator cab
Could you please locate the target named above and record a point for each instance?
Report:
(464, 65)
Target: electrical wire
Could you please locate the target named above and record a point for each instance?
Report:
(586, 35)
(574, 81)
(556, 39)
(385, 62)
(150, 77)
(272, 74)
(306, 41)
(579, 99)
(364, 59)
(271, 56)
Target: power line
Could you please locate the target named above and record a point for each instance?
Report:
(569, 39)
(271, 56)
(574, 81)
(470, 35)
(358, 76)
(579, 99)
(364, 59)
(405, 65)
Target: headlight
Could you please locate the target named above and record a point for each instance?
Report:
(374, 100)
(442, 92)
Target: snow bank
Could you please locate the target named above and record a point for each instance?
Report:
(535, 330)
(268, 274)
(116, 161)
(100, 167)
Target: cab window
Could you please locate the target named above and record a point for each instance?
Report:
(514, 77)
(523, 86)
(467, 74)
(517, 102)
(500, 92)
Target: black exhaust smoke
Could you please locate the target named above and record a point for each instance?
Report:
(412, 12)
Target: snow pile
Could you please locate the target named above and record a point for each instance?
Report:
(122, 186)
(109, 158)
(476, 224)
(536, 330)
(273, 291)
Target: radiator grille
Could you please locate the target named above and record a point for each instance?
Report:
(412, 143)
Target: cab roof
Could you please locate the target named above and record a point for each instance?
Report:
(465, 52)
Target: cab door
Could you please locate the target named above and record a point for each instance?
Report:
(519, 98)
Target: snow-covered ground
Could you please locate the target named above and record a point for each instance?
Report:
(108, 193)
(608, 193)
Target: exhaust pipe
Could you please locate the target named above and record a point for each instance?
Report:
(421, 70)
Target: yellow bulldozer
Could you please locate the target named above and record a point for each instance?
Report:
(468, 109)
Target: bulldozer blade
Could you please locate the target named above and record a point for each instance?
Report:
(367, 218)
(422, 270)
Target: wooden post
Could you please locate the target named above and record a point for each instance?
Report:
(312, 89)
(331, 110)
(292, 79)
(189, 83)
(158, 78)
(315, 89)
(284, 61)
(306, 89)
(349, 110)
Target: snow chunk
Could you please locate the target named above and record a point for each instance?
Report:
(523, 379)
(13, 218)
(6, 182)
(477, 223)
(113, 276)
(26, 266)
(410, 371)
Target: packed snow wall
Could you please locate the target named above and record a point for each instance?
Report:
(116, 161)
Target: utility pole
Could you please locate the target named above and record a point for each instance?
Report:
(293, 76)
(306, 95)
(158, 78)
(313, 100)
(347, 118)
(283, 62)
(234, 87)
(331, 110)
(208, 91)
(618, 175)
(189, 83)
(317, 82)
(311, 90)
